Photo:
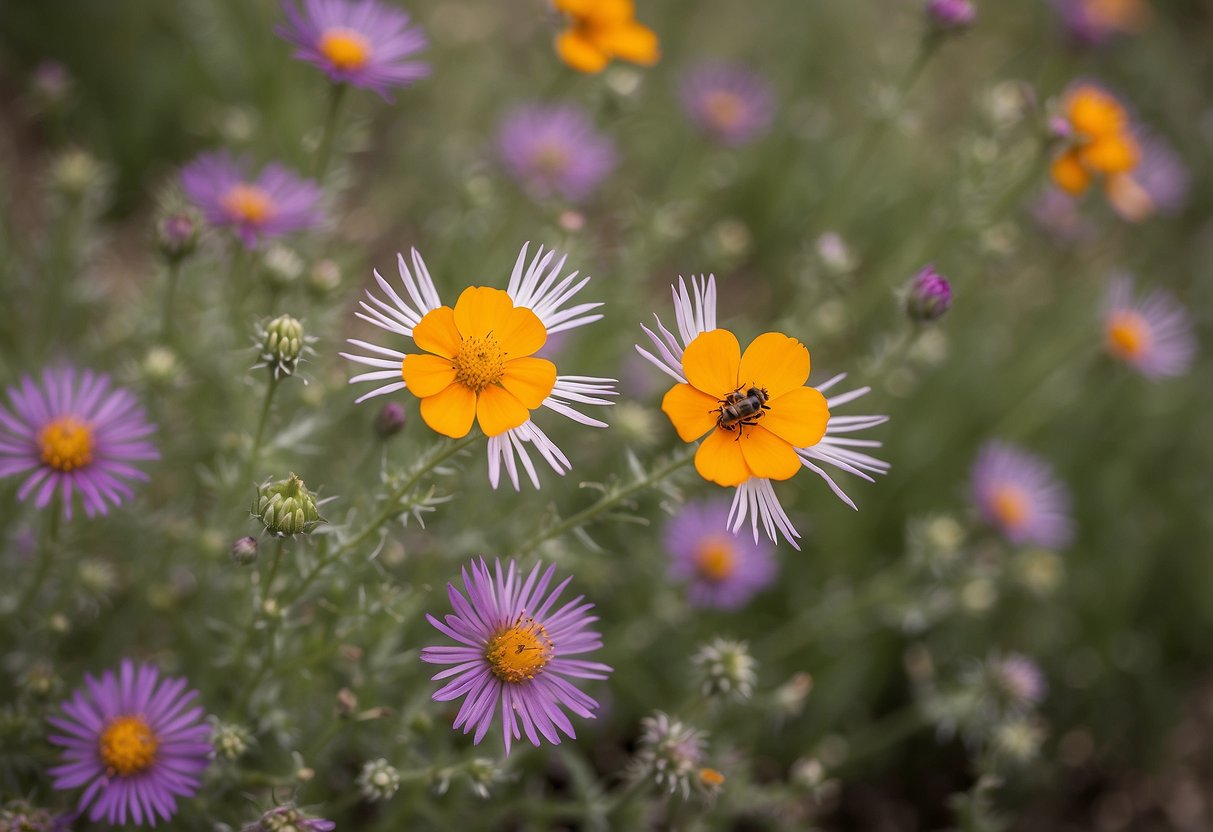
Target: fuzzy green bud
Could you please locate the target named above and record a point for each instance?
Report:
(282, 265)
(378, 780)
(726, 670)
(177, 234)
(282, 345)
(77, 174)
(230, 741)
(286, 507)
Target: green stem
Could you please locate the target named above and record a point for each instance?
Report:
(170, 291)
(336, 96)
(608, 502)
(264, 607)
(262, 421)
(46, 555)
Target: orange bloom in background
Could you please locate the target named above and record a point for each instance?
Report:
(1103, 142)
(762, 445)
(480, 365)
(602, 30)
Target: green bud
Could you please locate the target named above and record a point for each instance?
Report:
(177, 234)
(283, 343)
(378, 780)
(77, 174)
(286, 507)
(230, 740)
(726, 670)
(282, 266)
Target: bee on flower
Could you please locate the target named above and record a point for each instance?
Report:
(758, 420)
(602, 30)
(1100, 143)
(475, 362)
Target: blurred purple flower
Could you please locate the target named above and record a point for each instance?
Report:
(363, 43)
(552, 150)
(1018, 494)
(1020, 680)
(1093, 22)
(722, 570)
(76, 433)
(513, 654)
(951, 14)
(1153, 334)
(728, 102)
(275, 202)
(134, 742)
(929, 295)
(1158, 185)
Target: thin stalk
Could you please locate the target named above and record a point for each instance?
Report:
(271, 648)
(46, 555)
(608, 501)
(170, 292)
(336, 96)
(262, 422)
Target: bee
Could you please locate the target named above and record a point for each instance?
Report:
(739, 408)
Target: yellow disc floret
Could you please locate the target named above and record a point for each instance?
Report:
(66, 444)
(248, 203)
(347, 50)
(480, 362)
(724, 109)
(1011, 506)
(716, 559)
(519, 652)
(128, 746)
(1128, 335)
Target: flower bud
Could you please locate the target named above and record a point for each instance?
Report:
(390, 420)
(1017, 741)
(244, 551)
(378, 780)
(77, 174)
(21, 816)
(928, 296)
(669, 753)
(283, 266)
(50, 86)
(289, 819)
(951, 15)
(286, 507)
(482, 774)
(283, 343)
(177, 234)
(726, 670)
(40, 681)
(230, 741)
(325, 277)
(160, 366)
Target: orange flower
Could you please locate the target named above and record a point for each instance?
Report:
(1103, 140)
(764, 445)
(600, 30)
(480, 367)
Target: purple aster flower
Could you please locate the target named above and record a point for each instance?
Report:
(1157, 185)
(289, 819)
(363, 43)
(929, 296)
(1019, 680)
(134, 743)
(555, 150)
(74, 433)
(729, 103)
(721, 569)
(951, 14)
(1153, 335)
(515, 649)
(1018, 494)
(1093, 22)
(274, 202)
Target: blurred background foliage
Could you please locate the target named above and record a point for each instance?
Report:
(1119, 622)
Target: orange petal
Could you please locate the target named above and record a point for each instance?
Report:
(719, 459)
(798, 417)
(498, 410)
(481, 310)
(632, 42)
(776, 362)
(768, 456)
(580, 53)
(450, 412)
(711, 360)
(436, 332)
(530, 379)
(521, 333)
(1069, 174)
(426, 375)
(1111, 154)
(691, 411)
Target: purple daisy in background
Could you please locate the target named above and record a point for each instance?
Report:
(514, 650)
(1094, 22)
(1153, 334)
(728, 102)
(1018, 494)
(1157, 185)
(363, 43)
(555, 150)
(275, 202)
(721, 569)
(134, 743)
(948, 15)
(74, 433)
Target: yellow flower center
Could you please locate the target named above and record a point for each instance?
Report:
(480, 363)
(1010, 505)
(1128, 335)
(66, 444)
(551, 158)
(711, 777)
(716, 559)
(1117, 14)
(519, 652)
(128, 746)
(724, 109)
(346, 49)
(248, 203)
